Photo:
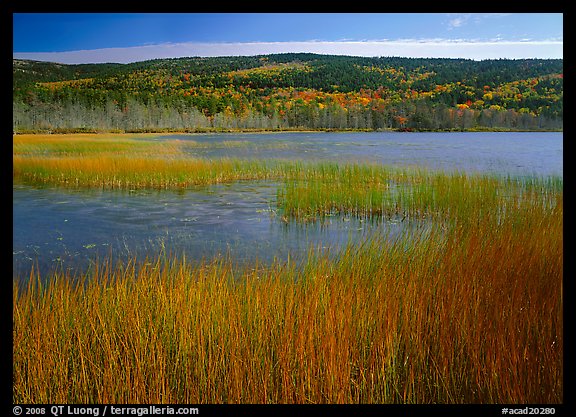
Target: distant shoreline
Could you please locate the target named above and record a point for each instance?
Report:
(236, 131)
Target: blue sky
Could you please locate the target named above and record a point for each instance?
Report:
(129, 37)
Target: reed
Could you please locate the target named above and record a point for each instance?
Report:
(319, 190)
(125, 163)
(132, 172)
(90, 144)
(465, 315)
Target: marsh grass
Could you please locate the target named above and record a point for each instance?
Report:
(125, 163)
(460, 316)
(89, 144)
(367, 191)
(133, 172)
(465, 309)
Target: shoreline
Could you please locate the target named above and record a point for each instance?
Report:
(237, 131)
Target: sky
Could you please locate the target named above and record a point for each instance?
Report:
(75, 38)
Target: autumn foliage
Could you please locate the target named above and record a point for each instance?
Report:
(292, 90)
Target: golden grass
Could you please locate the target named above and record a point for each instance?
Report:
(469, 314)
(132, 172)
(83, 144)
(122, 161)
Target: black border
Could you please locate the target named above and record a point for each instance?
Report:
(567, 408)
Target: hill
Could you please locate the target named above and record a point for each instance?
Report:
(287, 91)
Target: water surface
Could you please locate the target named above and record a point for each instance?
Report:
(515, 153)
(56, 228)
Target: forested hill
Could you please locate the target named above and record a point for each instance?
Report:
(287, 91)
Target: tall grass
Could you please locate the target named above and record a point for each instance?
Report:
(125, 163)
(465, 315)
(90, 144)
(368, 191)
(132, 172)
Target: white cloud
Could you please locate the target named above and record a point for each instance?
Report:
(458, 21)
(423, 48)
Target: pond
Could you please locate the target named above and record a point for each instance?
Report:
(57, 228)
(515, 153)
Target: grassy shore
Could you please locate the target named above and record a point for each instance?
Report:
(466, 308)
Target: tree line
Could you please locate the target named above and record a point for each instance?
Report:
(286, 91)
